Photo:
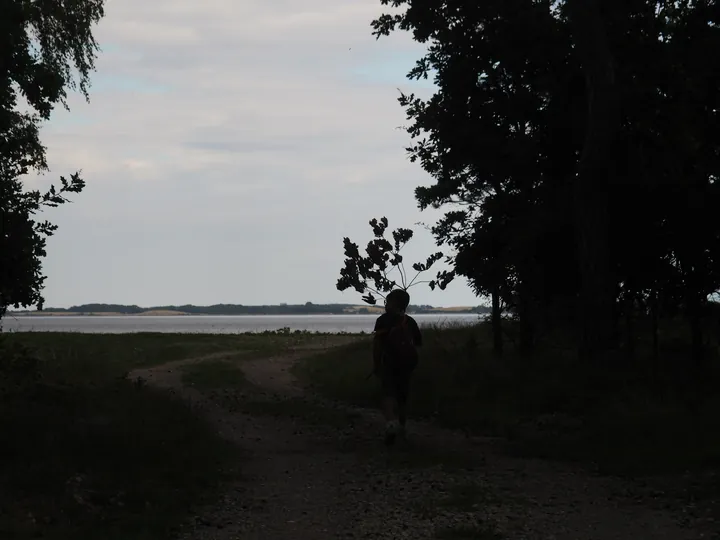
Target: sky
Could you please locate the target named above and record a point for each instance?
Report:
(228, 147)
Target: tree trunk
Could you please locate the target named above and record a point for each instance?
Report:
(655, 318)
(497, 321)
(696, 332)
(617, 313)
(697, 387)
(527, 328)
(592, 188)
(630, 329)
(527, 334)
(697, 347)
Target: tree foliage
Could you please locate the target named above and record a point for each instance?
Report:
(575, 147)
(46, 48)
(382, 268)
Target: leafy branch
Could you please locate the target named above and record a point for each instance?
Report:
(23, 240)
(370, 274)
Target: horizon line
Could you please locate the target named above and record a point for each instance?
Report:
(281, 304)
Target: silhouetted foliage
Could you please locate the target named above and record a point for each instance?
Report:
(45, 48)
(373, 273)
(575, 146)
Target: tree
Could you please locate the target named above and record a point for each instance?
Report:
(372, 274)
(595, 168)
(561, 138)
(46, 48)
(498, 137)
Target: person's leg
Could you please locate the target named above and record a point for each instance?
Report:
(402, 412)
(389, 406)
(392, 427)
(401, 392)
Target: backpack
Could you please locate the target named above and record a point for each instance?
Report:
(399, 346)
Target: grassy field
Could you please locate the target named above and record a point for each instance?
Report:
(87, 454)
(544, 406)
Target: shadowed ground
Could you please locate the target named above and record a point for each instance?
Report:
(317, 470)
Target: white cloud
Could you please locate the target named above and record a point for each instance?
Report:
(228, 147)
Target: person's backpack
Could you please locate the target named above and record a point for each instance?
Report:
(400, 348)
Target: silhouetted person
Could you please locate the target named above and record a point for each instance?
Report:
(394, 358)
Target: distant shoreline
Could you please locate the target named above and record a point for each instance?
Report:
(30, 314)
(118, 310)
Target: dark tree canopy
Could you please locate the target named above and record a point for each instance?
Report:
(46, 48)
(574, 145)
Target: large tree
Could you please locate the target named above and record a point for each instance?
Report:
(499, 137)
(562, 138)
(595, 168)
(46, 48)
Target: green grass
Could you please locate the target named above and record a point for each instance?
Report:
(214, 375)
(543, 406)
(93, 358)
(88, 454)
(445, 386)
(112, 462)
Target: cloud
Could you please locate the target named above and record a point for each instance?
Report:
(228, 147)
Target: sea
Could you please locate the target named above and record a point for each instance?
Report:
(212, 324)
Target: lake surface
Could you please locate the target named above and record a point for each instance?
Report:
(211, 324)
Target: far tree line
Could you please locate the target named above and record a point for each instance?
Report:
(237, 309)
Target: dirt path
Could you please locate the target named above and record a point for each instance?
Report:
(332, 479)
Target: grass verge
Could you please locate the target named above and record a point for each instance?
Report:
(111, 462)
(91, 358)
(544, 406)
(214, 375)
(87, 454)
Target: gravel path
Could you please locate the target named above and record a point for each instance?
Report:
(316, 470)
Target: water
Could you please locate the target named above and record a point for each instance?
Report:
(211, 324)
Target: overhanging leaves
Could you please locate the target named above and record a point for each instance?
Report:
(382, 268)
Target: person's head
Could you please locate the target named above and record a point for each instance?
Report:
(397, 301)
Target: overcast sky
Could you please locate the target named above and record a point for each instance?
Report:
(228, 147)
